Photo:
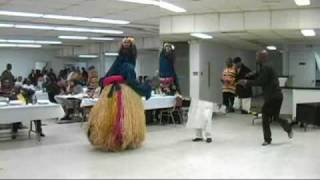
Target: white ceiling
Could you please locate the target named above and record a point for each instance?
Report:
(144, 18)
(247, 39)
(205, 6)
(253, 40)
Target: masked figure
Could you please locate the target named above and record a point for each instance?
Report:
(117, 121)
(168, 77)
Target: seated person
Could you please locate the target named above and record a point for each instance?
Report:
(74, 87)
(61, 83)
(52, 88)
(25, 96)
(93, 88)
(19, 81)
(27, 84)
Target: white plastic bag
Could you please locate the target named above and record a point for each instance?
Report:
(236, 104)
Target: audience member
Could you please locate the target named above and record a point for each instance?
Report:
(74, 87)
(84, 75)
(229, 85)
(19, 81)
(7, 80)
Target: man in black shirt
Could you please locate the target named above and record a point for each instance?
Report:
(268, 80)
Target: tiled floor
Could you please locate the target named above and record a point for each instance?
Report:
(167, 153)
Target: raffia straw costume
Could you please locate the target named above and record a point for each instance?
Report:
(117, 121)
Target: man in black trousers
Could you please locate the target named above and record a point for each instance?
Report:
(268, 80)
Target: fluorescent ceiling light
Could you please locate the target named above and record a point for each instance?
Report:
(59, 28)
(62, 17)
(73, 37)
(111, 54)
(41, 27)
(76, 29)
(308, 32)
(22, 45)
(108, 21)
(160, 3)
(87, 56)
(272, 48)
(8, 45)
(6, 25)
(201, 35)
(171, 7)
(302, 2)
(101, 38)
(48, 42)
(29, 45)
(103, 31)
(21, 14)
(86, 38)
(20, 41)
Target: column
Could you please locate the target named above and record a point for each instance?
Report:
(194, 61)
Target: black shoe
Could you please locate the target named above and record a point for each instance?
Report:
(290, 134)
(65, 118)
(209, 140)
(244, 112)
(13, 137)
(42, 135)
(266, 143)
(197, 139)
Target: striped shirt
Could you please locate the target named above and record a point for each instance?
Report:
(229, 80)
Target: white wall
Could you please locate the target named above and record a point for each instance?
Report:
(147, 63)
(215, 55)
(306, 51)
(23, 60)
(182, 67)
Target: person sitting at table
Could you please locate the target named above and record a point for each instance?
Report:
(27, 84)
(25, 96)
(52, 88)
(92, 73)
(93, 88)
(74, 87)
(19, 81)
(117, 121)
(62, 84)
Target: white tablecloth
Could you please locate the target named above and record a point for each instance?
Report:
(64, 99)
(23, 113)
(155, 102)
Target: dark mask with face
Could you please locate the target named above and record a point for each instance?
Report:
(130, 51)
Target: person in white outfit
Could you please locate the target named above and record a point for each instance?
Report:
(200, 119)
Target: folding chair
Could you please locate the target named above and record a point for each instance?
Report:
(170, 111)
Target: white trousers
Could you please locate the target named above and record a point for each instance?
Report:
(203, 133)
(245, 104)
